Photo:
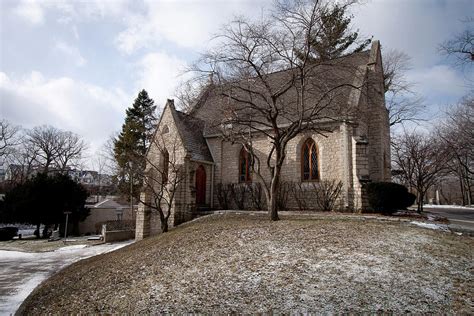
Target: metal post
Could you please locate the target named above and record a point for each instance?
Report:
(131, 193)
(65, 226)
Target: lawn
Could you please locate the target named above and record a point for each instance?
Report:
(247, 264)
(43, 245)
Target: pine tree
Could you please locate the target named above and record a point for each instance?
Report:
(131, 145)
(333, 38)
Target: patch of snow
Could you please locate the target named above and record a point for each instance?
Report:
(442, 227)
(15, 300)
(448, 206)
(9, 255)
(70, 248)
(26, 232)
(21, 272)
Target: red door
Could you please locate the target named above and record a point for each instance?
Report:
(200, 185)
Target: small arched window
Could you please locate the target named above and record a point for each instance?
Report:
(165, 130)
(165, 161)
(244, 166)
(309, 161)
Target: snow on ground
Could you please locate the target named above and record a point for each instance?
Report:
(225, 264)
(71, 248)
(21, 272)
(448, 206)
(443, 227)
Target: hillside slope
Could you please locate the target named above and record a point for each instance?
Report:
(247, 264)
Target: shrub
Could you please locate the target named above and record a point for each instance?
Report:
(299, 194)
(223, 195)
(256, 195)
(327, 193)
(238, 193)
(388, 197)
(282, 197)
(7, 233)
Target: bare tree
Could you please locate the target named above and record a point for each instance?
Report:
(402, 102)
(71, 147)
(189, 92)
(9, 138)
(162, 177)
(461, 46)
(99, 164)
(270, 86)
(21, 162)
(107, 154)
(421, 160)
(47, 144)
(53, 148)
(457, 134)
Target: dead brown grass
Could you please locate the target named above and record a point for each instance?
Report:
(42, 245)
(247, 264)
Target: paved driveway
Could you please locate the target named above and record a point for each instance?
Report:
(21, 272)
(460, 218)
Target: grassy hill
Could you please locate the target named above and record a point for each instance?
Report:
(247, 264)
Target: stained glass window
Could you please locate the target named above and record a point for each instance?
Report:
(309, 161)
(244, 166)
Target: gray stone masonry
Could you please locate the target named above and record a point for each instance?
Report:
(354, 152)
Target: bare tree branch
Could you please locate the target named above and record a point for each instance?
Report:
(403, 104)
(268, 90)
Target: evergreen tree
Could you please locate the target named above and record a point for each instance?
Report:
(131, 145)
(43, 199)
(333, 37)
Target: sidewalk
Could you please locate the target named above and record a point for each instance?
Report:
(21, 272)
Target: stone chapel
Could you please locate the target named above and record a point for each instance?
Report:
(353, 151)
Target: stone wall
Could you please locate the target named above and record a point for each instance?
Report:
(330, 160)
(377, 120)
(166, 136)
(118, 235)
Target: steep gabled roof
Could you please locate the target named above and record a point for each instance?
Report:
(190, 130)
(350, 71)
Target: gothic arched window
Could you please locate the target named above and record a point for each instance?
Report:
(309, 161)
(244, 166)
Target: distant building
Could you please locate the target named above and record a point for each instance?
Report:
(104, 211)
(14, 172)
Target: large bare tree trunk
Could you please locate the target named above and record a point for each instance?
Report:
(421, 200)
(164, 226)
(272, 206)
(163, 221)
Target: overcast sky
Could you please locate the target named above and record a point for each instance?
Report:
(77, 65)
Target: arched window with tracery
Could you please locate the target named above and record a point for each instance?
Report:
(244, 166)
(309, 161)
(165, 161)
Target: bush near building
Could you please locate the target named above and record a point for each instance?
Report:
(388, 197)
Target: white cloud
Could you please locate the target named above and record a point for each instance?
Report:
(189, 24)
(34, 11)
(438, 80)
(71, 52)
(31, 11)
(91, 111)
(159, 74)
